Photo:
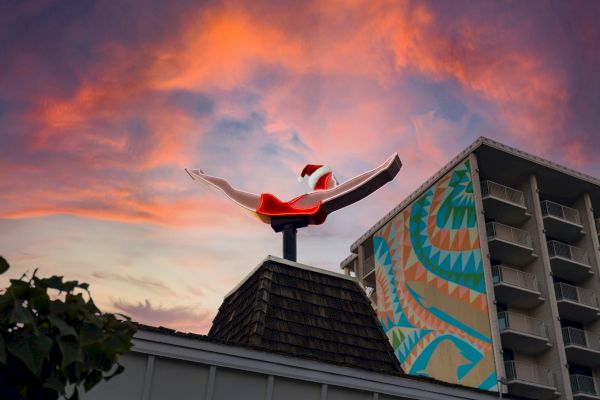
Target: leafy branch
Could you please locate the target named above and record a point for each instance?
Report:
(49, 343)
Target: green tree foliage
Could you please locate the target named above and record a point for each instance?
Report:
(52, 336)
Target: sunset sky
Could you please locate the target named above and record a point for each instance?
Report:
(104, 103)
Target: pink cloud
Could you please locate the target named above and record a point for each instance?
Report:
(181, 318)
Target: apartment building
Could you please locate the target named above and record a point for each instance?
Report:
(489, 275)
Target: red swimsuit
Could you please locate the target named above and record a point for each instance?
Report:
(273, 207)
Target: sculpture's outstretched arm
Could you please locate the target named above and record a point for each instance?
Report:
(247, 200)
(356, 188)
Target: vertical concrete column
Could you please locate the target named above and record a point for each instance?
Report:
(592, 245)
(210, 385)
(148, 378)
(360, 271)
(562, 370)
(269, 390)
(487, 270)
(323, 395)
(589, 223)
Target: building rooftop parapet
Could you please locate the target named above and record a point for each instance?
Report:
(172, 343)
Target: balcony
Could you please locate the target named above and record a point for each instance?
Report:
(369, 271)
(515, 288)
(523, 333)
(569, 262)
(575, 303)
(561, 222)
(509, 245)
(529, 380)
(582, 347)
(584, 387)
(503, 203)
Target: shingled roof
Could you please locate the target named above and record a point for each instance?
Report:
(306, 312)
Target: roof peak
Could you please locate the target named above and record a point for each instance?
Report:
(289, 263)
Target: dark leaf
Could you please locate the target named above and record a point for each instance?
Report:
(3, 265)
(89, 334)
(64, 328)
(32, 350)
(40, 302)
(21, 314)
(57, 307)
(71, 352)
(92, 380)
(54, 282)
(70, 285)
(74, 372)
(2, 350)
(19, 288)
(119, 343)
(97, 357)
(55, 382)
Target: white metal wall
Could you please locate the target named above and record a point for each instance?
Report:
(168, 367)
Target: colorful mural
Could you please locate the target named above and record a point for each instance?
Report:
(431, 297)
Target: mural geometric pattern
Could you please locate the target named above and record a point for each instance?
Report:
(431, 298)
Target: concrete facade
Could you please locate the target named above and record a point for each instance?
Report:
(539, 240)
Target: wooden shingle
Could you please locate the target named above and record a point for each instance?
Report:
(305, 312)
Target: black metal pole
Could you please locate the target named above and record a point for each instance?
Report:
(289, 242)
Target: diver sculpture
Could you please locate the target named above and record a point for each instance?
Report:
(312, 208)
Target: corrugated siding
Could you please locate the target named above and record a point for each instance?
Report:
(128, 385)
(173, 379)
(289, 389)
(236, 384)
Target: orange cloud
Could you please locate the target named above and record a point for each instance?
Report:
(219, 50)
(335, 75)
(121, 205)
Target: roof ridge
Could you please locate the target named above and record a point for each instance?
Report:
(290, 264)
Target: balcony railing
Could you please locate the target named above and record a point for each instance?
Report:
(368, 264)
(521, 323)
(496, 230)
(512, 276)
(563, 250)
(581, 338)
(565, 213)
(579, 295)
(516, 370)
(489, 188)
(582, 384)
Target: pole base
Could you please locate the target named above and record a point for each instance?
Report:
(289, 227)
